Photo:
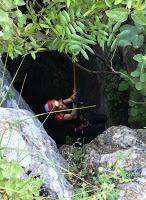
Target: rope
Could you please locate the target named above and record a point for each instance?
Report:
(74, 77)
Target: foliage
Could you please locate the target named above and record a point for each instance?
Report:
(116, 100)
(70, 27)
(95, 183)
(14, 187)
(135, 82)
(138, 76)
(131, 35)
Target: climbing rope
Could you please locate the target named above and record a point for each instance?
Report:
(74, 77)
(75, 90)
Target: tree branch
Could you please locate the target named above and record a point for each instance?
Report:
(111, 63)
(87, 70)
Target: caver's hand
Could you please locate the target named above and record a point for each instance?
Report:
(73, 96)
(76, 100)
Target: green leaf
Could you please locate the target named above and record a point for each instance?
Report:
(144, 58)
(123, 33)
(123, 86)
(4, 17)
(19, 2)
(134, 111)
(63, 20)
(110, 39)
(130, 35)
(129, 3)
(139, 18)
(137, 41)
(114, 44)
(116, 27)
(29, 29)
(84, 54)
(1, 34)
(123, 43)
(139, 86)
(68, 3)
(33, 55)
(135, 73)
(122, 172)
(143, 77)
(109, 2)
(131, 103)
(6, 6)
(82, 26)
(21, 18)
(118, 14)
(138, 57)
(44, 26)
(118, 2)
(28, 46)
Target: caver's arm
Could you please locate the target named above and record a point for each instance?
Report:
(70, 99)
(73, 115)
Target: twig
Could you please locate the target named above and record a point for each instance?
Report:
(136, 102)
(111, 63)
(89, 71)
(3, 99)
(118, 72)
(2, 81)
(56, 111)
(38, 5)
(20, 94)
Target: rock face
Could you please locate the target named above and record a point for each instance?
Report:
(32, 146)
(127, 146)
(9, 97)
(134, 190)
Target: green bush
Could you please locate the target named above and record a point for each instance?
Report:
(12, 186)
(70, 26)
(95, 183)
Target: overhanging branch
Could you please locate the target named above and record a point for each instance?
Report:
(89, 71)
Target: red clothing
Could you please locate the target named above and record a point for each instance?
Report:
(52, 107)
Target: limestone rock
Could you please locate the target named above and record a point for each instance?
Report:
(126, 146)
(9, 97)
(141, 134)
(36, 151)
(134, 190)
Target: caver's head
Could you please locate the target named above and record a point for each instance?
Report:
(53, 105)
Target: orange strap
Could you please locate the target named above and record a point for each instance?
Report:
(74, 77)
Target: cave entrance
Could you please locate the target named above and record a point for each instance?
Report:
(50, 76)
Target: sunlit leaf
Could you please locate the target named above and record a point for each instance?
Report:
(139, 18)
(139, 86)
(118, 14)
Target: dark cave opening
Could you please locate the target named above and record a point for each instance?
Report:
(50, 76)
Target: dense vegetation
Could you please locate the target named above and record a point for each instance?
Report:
(94, 183)
(14, 187)
(70, 26)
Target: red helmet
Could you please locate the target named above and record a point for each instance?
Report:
(52, 105)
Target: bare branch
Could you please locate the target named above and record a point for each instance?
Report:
(87, 70)
(111, 63)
